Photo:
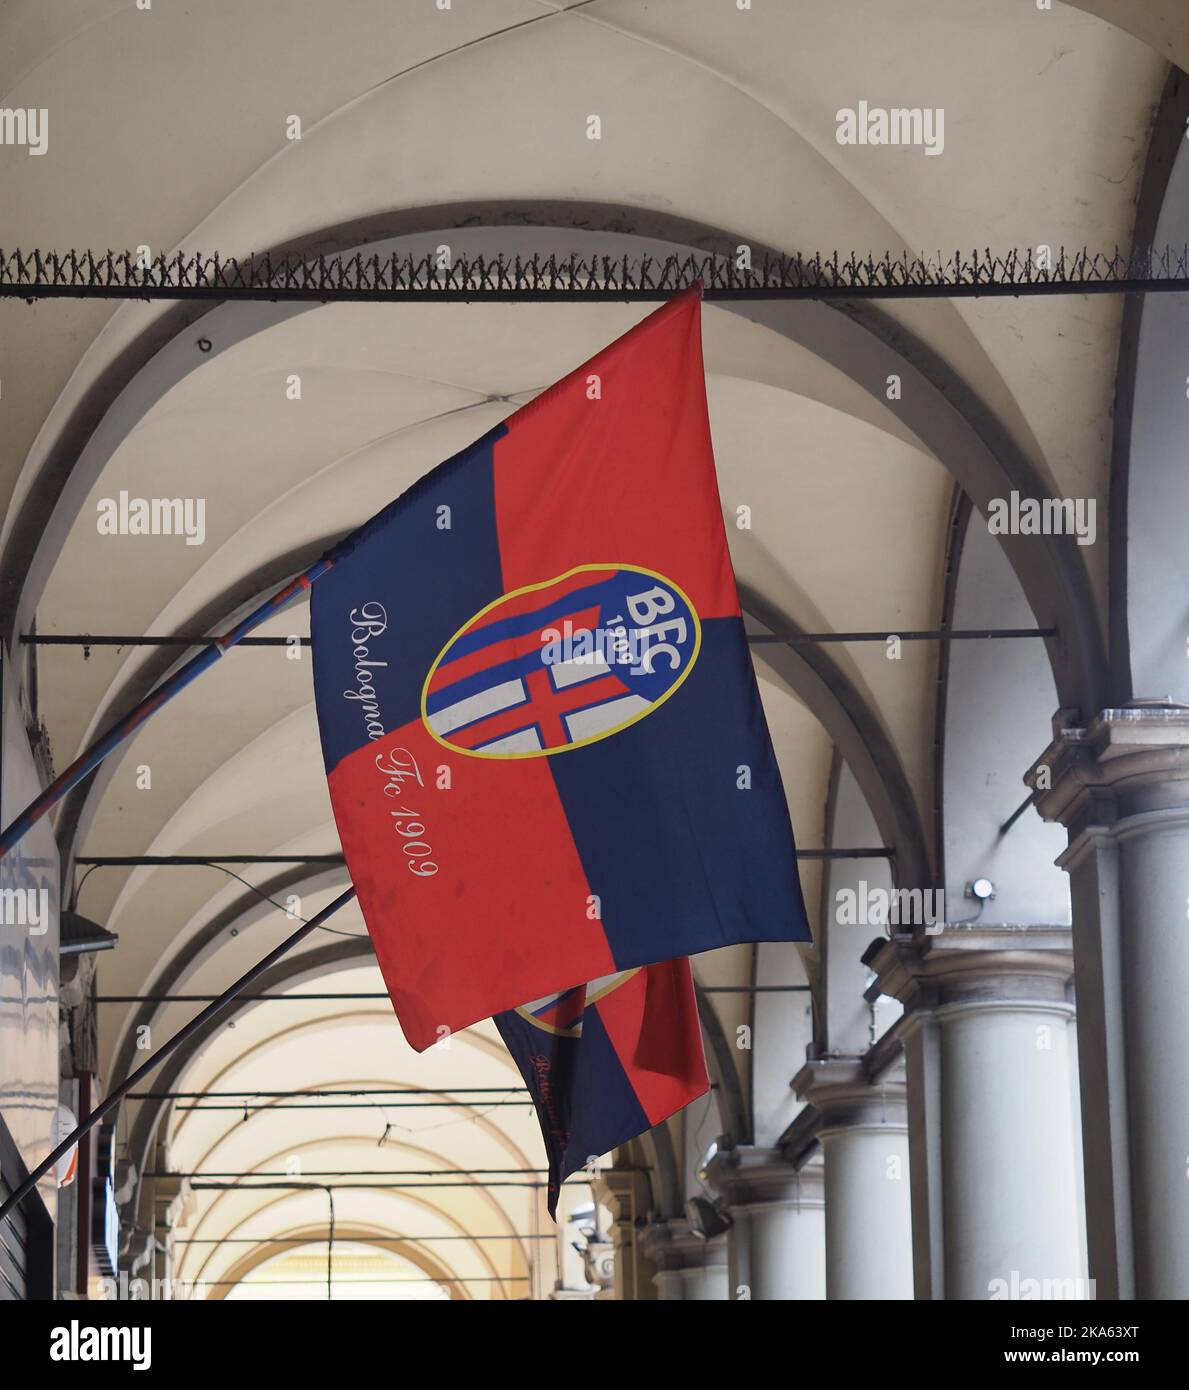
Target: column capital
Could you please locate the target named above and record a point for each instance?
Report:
(844, 1096)
(749, 1176)
(623, 1190)
(671, 1245)
(1122, 762)
(975, 967)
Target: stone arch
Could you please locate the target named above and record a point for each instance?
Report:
(1147, 490)
(940, 410)
(359, 1235)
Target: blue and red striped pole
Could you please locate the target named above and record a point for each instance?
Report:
(90, 759)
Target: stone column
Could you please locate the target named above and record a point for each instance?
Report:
(862, 1127)
(689, 1269)
(1120, 786)
(776, 1245)
(992, 1121)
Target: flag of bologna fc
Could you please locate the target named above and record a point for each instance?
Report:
(544, 741)
(607, 1061)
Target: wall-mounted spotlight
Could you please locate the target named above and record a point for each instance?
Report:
(80, 935)
(707, 1219)
(705, 1161)
(982, 889)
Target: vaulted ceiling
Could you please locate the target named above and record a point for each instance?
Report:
(170, 128)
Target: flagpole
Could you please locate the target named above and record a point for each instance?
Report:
(90, 759)
(89, 1123)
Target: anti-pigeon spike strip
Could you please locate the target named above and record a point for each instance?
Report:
(518, 278)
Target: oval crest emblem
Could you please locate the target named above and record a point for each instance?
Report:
(561, 664)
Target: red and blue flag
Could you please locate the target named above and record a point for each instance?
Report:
(542, 733)
(608, 1060)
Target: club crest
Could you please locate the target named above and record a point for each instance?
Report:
(561, 664)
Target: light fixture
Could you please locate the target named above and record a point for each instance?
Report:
(706, 1218)
(80, 935)
(705, 1161)
(982, 889)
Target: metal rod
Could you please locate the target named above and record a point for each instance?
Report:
(348, 1186)
(313, 1240)
(329, 1242)
(115, 640)
(1017, 813)
(361, 1091)
(871, 852)
(164, 861)
(83, 639)
(89, 760)
(494, 294)
(197, 1022)
(208, 998)
(359, 1173)
(344, 277)
(382, 1105)
(249, 1283)
(756, 989)
(985, 634)
(203, 860)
